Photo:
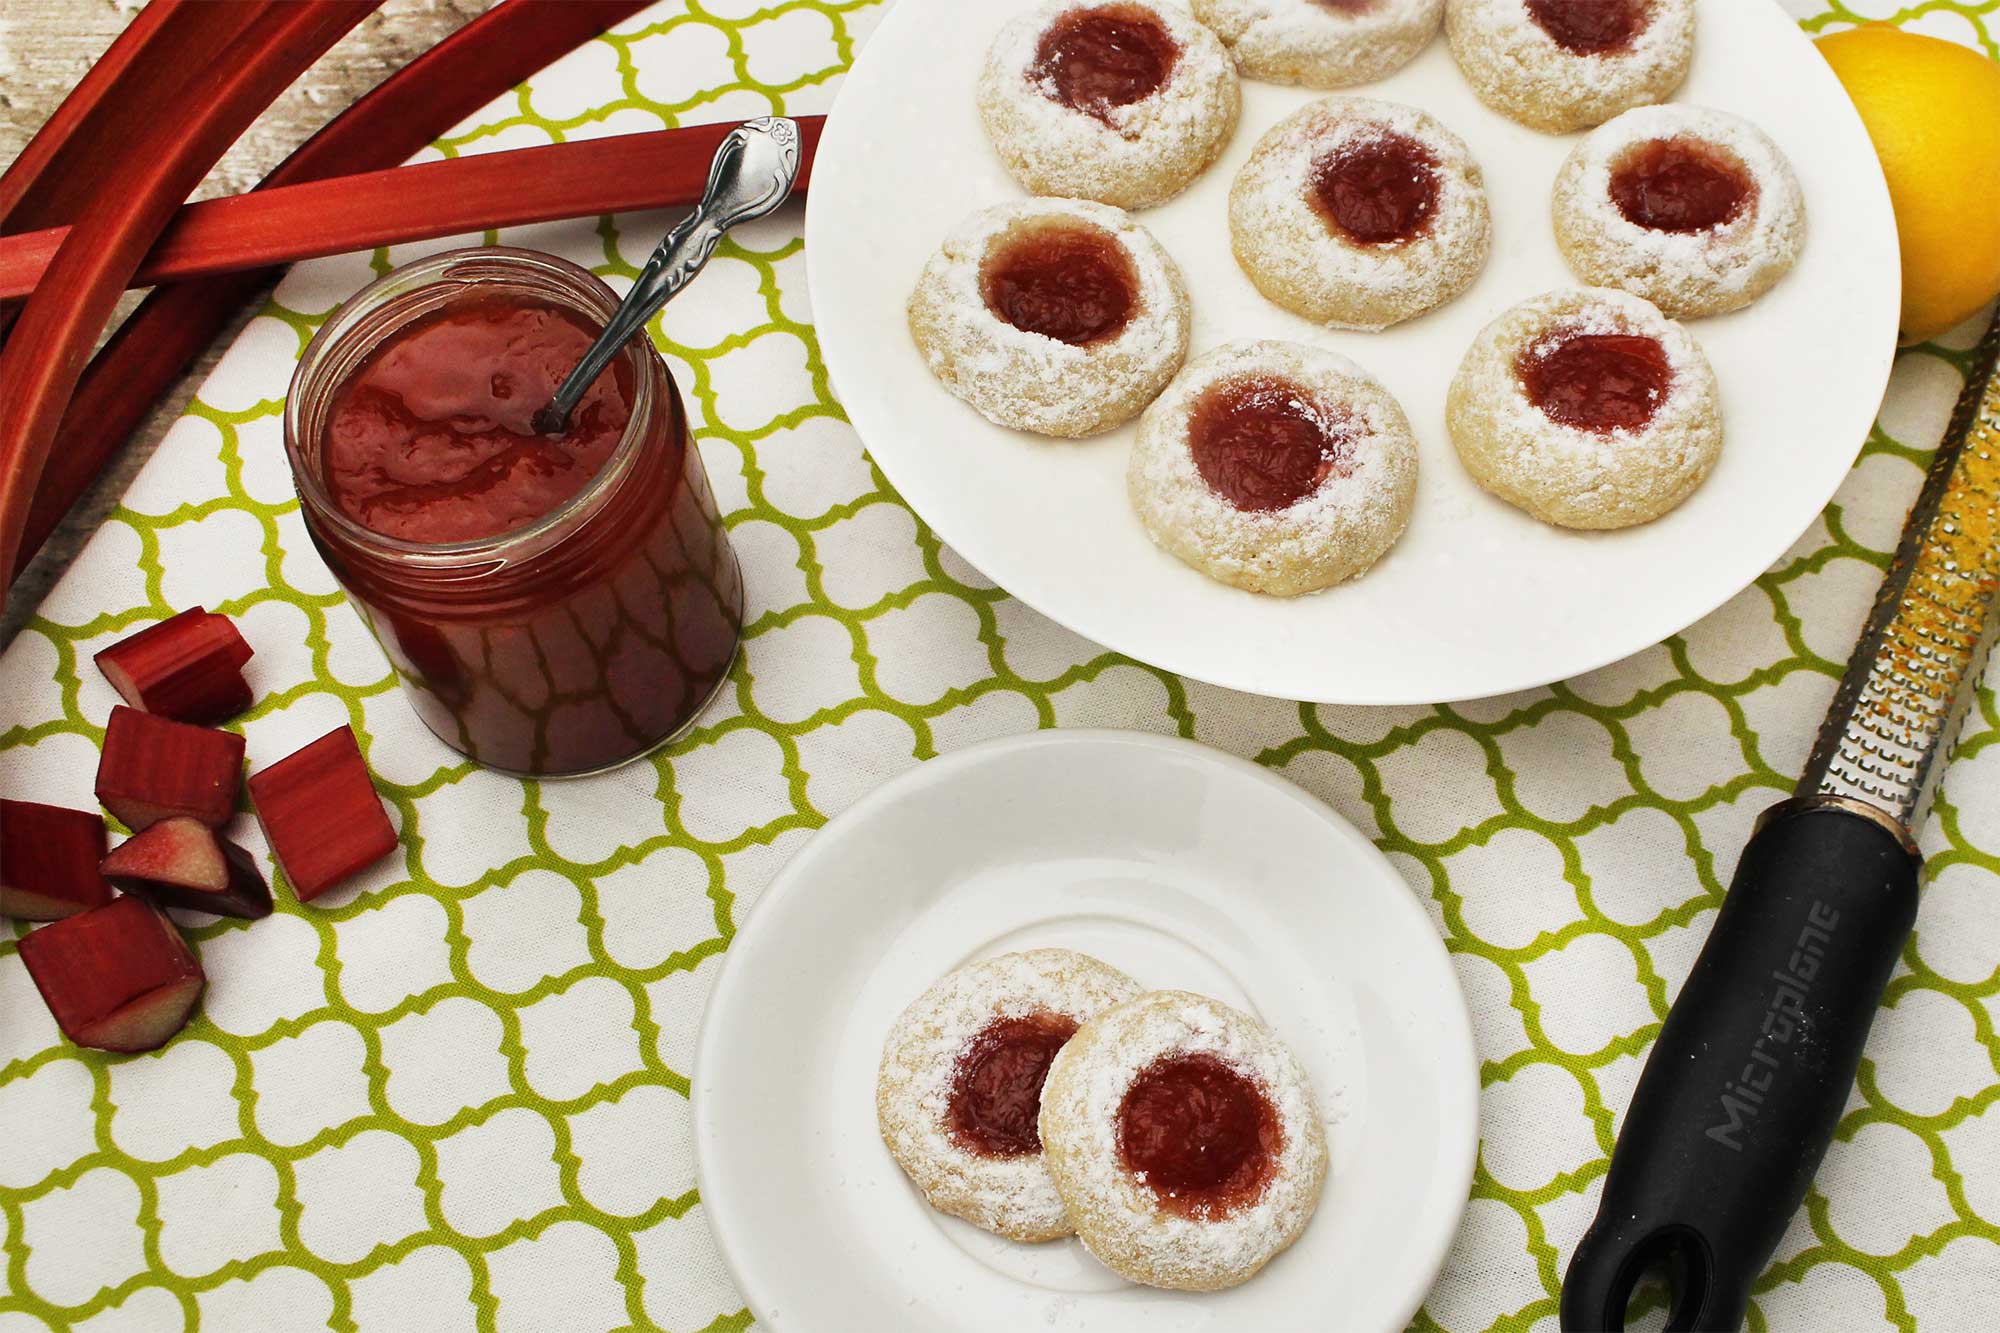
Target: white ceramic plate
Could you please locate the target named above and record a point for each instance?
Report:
(1185, 867)
(1478, 598)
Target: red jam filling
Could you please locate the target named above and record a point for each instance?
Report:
(432, 437)
(1069, 282)
(1598, 382)
(1093, 60)
(1202, 1137)
(1379, 192)
(996, 1086)
(1679, 184)
(1591, 27)
(1348, 6)
(1261, 444)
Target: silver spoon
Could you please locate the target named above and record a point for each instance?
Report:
(752, 173)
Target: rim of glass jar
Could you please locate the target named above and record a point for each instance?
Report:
(450, 266)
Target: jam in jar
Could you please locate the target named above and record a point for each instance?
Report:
(553, 606)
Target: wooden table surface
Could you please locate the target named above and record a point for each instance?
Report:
(45, 47)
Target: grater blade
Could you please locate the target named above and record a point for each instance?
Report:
(1897, 712)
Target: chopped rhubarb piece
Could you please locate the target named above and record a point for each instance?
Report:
(117, 978)
(180, 862)
(154, 768)
(48, 861)
(321, 814)
(189, 668)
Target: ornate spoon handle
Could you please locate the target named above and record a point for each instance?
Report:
(752, 174)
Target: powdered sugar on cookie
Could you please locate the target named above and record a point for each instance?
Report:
(1574, 477)
(1520, 70)
(1336, 531)
(1030, 381)
(1117, 1216)
(1133, 154)
(1321, 45)
(1011, 1195)
(1289, 250)
(1690, 272)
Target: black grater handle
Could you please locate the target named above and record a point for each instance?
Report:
(1741, 1093)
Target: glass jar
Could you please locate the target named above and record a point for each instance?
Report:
(575, 643)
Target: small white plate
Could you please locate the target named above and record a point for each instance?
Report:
(1185, 867)
(1478, 598)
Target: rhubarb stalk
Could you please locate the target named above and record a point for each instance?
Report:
(423, 201)
(423, 100)
(49, 344)
(148, 66)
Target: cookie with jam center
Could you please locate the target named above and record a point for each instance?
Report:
(958, 1094)
(1186, 1140)
(1326, 44)
(1120, 101)
(1359, 214)
(1274, 467)
(1057, 316)
(1588, 409)
(1564, 65)
(1694, 209)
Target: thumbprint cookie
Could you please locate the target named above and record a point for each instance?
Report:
(1693, 209)
(1588, 409)
(1122, 101)
(1322, 43)
(1359, 214)
(1185, 1138)
(1274, 467)
(1056, 316)
(1563, 65)
(958, 1097)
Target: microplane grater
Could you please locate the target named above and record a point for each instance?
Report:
(1747, 1081)
(1896, 715)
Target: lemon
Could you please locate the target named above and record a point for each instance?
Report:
(1933, 109)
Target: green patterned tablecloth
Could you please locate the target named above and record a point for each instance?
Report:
(454, 1095)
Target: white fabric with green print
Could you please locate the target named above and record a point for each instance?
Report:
(454, 1094)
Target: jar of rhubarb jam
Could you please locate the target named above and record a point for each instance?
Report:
(553, 606)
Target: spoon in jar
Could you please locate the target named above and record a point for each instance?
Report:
(752, 173)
